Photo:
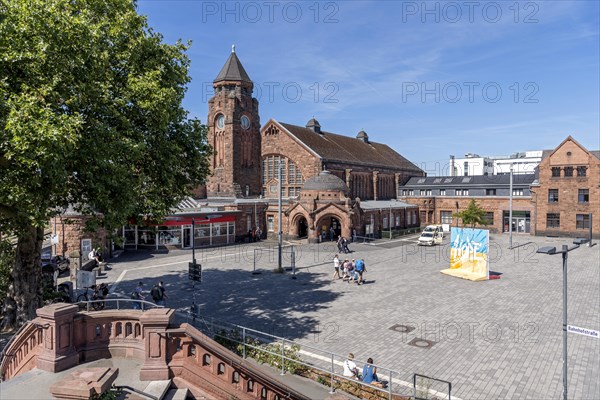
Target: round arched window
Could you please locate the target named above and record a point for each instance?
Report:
(221, 121)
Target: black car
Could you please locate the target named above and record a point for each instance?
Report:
(53, 263)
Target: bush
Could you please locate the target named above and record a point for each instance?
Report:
(263, 353)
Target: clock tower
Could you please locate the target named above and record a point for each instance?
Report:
(234, 134)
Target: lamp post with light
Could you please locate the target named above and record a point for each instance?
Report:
(549, 250)
(279, 226)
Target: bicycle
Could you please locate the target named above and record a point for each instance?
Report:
(99, 293)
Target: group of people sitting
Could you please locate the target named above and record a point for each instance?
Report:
(369, 372)
(349, 271)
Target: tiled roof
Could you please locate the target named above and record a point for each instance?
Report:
(596, 153)
(233, 71)
(477, 180)
(384, 204)
(333, 147)
(325, 181)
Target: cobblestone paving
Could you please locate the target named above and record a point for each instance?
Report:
(497, 339)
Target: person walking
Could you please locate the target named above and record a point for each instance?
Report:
(345, 245)
(163, 293)
(336, 267)
(339, 244)
(138, 294)
(360, 267)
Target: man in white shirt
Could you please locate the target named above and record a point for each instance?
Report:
(350, 370)
(336, 267)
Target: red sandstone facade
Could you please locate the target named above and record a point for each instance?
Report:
(61, 338)
(567, 192)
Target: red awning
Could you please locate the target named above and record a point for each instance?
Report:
(198, 221)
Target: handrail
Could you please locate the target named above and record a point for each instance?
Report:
(233, 359)
(4, 355)
(415, 375)
(286, 343)
(88, 303)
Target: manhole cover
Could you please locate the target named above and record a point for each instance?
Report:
(421, 343)
(402, 328)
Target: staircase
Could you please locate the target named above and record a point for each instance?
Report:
(155, 390)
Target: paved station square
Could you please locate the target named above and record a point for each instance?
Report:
(495, 339)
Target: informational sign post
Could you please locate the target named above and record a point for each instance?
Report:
(195, 272)
(469, 254)
(583, 331)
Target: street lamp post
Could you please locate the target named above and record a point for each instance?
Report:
(565, 250)
(510, 201)
(390, 221)
(457, 214)
(279, 226)
(193, 242)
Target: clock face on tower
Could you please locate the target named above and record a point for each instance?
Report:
(245, 122)
(221, 121)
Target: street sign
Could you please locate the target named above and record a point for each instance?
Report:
(583, 331)
(195, 272)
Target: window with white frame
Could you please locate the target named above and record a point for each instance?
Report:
(446, 217)
(270, 223)
(385, 223)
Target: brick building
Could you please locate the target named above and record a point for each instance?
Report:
(562, 197)
(568, 191)
(440, 197)
(339, 184)
(329, 181)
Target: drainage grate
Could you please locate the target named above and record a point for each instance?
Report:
(402, 328)
(422, 343)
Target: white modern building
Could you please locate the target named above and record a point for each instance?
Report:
(523, 163)
(474, 164)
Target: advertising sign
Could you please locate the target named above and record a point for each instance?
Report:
(469, 254)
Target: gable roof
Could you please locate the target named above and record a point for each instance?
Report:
(232, 71)
(339, 148)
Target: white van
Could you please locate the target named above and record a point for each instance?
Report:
(432, 234)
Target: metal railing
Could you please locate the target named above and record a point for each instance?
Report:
(425, 387)
(395, 382)
(101, 304)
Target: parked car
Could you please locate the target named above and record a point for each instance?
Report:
(432, 234)
(53, 263)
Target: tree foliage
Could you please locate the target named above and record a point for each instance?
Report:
(90, 116)
(473, 215)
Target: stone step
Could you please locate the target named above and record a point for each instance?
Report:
(158, 389)
(176, 394)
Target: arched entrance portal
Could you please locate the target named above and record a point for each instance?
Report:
(302, 228)
(330, 228)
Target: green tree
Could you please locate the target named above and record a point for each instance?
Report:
(472, 215)
(90, 116)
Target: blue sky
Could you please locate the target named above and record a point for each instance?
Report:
(430, 79)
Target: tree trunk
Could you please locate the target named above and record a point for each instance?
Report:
(25, 289)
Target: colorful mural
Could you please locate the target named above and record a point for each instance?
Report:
(469, 254)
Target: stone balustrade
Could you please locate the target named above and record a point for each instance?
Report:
(62, 337)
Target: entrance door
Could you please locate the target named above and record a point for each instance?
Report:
(187, 235)
(302, 228)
